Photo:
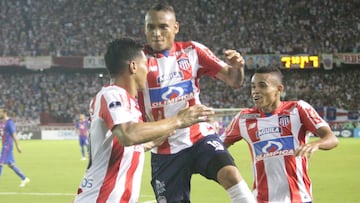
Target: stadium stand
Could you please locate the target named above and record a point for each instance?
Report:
(61, 28)
(67, 28)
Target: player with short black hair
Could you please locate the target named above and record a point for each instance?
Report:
(172, 82)
(277, 133)
(116, 130)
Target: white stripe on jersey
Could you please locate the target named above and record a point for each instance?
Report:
(272, 142)
(172, 82)
(116, 170)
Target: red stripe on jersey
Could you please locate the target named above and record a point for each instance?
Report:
(302, 135)
(195, 134)
(107, 186)
(129, 178)
(309, 117)
(153, 72)
(306, 179)
(142, 105)
(164, 148)
(204, 55)
(261, 178)
(290, 165)
(105, 114)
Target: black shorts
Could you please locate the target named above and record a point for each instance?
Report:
(171, 174)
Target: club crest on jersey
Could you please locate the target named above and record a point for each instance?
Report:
(114, 104)
(182, 91)
(184, 63)
(284, 120)
(274, 147)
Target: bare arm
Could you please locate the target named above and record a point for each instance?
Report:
(233, 73)
(327, 141)
(135, 133)
(16, 141)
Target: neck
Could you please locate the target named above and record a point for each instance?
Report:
(271, 108)
(125, 84)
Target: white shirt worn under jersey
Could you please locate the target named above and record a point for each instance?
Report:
(114, 173)
(279, 176)
(172, 81)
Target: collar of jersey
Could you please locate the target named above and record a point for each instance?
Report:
(165, 53)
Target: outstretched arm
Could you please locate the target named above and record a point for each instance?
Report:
(136, 133)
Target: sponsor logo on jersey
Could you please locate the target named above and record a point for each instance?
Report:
(170, 76)
(284, 120)
(114, 104)
(266, 131)
(160, 97)
(184, 63)
(275, 147)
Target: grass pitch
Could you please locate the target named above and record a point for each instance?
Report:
(55, 170)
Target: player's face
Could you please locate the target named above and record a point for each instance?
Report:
(265, 91)
(160, 29)
(141, 71)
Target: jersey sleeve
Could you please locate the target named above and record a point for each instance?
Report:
(115, 109)
(309, 117)
(209, 63)
(232, 131)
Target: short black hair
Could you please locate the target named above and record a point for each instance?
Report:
(270, 69)
(119, 52)
(162, 6)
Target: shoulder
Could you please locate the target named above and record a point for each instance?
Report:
(114, 95)
(189, 45)
(112, 89)
(249, 113)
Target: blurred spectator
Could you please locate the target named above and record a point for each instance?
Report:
(75, 28)
(64, 94)
(67, 27)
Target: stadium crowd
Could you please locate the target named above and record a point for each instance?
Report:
(63, 95)
(68, 28)
(75, 28)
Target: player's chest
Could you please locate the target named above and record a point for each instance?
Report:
(170, 70)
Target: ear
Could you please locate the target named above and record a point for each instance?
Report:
(132, 67)
(177, 27)
(280, 88)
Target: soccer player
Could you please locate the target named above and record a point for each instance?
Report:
(81, 127)
(8, 133)
(278, 135)
(173, 81)
(116, 132)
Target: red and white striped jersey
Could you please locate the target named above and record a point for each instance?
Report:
(172, 81)
(114, 173)
(279, 176)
